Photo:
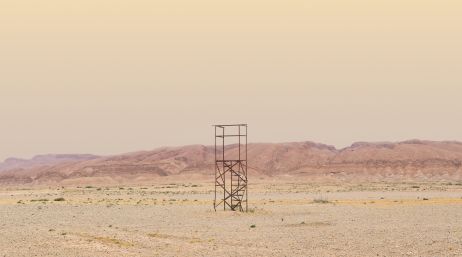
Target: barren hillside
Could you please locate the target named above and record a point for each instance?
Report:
(413, 160)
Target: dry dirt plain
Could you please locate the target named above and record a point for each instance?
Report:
(286, 219)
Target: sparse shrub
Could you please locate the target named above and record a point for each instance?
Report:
(39, 200)
(99, 189)
(425, 199)
(60, 199)
(321, 199)
(89, 187)
(253, 226)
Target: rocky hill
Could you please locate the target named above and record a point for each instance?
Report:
(409, 160)
(43, 160)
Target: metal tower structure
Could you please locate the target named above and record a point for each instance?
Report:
(231, 167)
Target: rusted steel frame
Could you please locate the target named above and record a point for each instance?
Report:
(238, 192)
(223, 163)
(246, 180)
(215, 199)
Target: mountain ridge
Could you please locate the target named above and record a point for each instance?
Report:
(405, 160)
(42, 159)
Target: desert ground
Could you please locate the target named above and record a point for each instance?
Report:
(284, 219)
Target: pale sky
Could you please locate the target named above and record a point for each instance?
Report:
(112, 76)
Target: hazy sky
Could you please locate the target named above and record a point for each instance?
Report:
(112, 76)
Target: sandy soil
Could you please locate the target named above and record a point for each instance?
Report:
(286, 219)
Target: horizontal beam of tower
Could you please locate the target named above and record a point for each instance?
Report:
(231, 125)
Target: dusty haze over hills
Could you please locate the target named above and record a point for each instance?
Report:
(412, 160)
(107, 77)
